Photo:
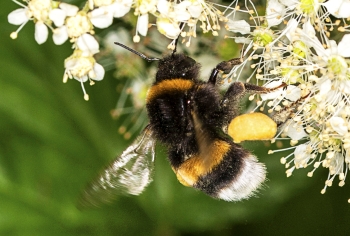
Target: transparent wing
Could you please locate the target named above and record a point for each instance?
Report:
(129, 173)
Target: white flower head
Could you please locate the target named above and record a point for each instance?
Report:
(78, 25)
(37, 10)
(82, 68)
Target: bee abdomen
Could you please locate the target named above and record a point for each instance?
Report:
(231, 174)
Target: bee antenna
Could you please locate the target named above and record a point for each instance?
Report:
(143, 56)
(177, 39)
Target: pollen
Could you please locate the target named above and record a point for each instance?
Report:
(252, 126)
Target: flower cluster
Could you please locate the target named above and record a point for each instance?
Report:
(293, 44)
(69, 22)
(304, 44)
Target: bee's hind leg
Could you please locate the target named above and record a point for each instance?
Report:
(231, 101)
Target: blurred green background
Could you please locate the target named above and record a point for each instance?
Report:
(53, 142)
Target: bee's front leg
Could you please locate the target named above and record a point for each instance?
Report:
(225, 67)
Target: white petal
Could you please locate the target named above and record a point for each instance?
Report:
(344, 87)
(142, 24)
(41, 32)
(338, 124)
(291, 4)
(18, 17)
(347, 156)
(121, 8)
(238, 26)
(293, 93)
(57, 16)
(310, 39)
(295, 131)
(163, 6)
(168, 28)
(242, 40)
(181, 13)
(60, 35)
(88, 44)
(301, 157)
(332, 5)
(84, 78)
(275, 94)
(344, 46)
(184, 4)
(338, 8)
(308, 29)
(101, 17)
(99, 72)
(325, 87)
(344, 10)
(195, 10)
(70, 63)
(69, 9)
(290, 29)
(332, 48)
(274, 12)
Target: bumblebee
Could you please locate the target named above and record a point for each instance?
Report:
(190, 117)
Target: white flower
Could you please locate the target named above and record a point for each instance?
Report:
(338, 8)
(82, 68)
(37, 10)
(78, 25)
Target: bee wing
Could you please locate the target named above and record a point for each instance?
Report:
(129, 173)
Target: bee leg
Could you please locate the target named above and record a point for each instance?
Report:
(251, 88)
(225, 67)
(231, 100)
(282, 116)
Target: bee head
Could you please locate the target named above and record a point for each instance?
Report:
(173, 66)
(176, 66)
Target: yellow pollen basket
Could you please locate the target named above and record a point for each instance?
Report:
(252, 126)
